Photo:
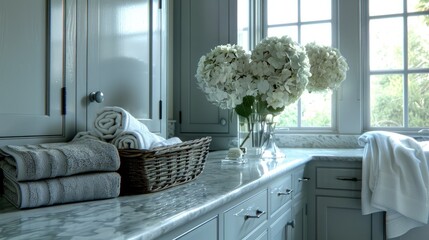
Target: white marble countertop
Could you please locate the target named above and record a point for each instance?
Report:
(148, 216)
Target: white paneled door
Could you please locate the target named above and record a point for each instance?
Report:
(33, 68)
(124, 58)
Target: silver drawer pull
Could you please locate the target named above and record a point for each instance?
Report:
(258, 214)
(351, 179)
(287, 192)
(304, 179)
(291, 223)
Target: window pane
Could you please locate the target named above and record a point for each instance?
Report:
(291, 31)
(386, 102)
(386, 43)
(320, 33)
(243, 24)
(418, 102)
(289, 117)
(418, 42)
(315, 10)
(282, 11)
(417, 5)
(382, 7)
(316, 109)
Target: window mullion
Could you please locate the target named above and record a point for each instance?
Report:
(405, 64)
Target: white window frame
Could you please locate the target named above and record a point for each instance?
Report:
(405, 72)
(346, 21)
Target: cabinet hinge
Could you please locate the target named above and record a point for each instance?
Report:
(63, 101)
(160, 109)
(306, 209)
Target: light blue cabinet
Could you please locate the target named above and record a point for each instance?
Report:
(334, 203)
(199, 26)
(264, 213)
(300, 181)
(54, 54)
(37, 63)
(124, 58)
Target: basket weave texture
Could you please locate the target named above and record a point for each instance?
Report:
(146, 171)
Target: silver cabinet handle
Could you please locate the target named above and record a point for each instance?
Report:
(291, 223)
(287, 192)
(96, 97)
(351, 179)
(258, 214)
(222, 121)
(304, 179)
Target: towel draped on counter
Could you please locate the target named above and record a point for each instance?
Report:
(33, 162)
(395, 179)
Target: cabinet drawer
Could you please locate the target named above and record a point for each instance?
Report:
(339, 178)
(249, 215)
(207, 231)
(299, 182)
(280, 193)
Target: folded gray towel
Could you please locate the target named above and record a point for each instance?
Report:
(34, 162)
(84, 187)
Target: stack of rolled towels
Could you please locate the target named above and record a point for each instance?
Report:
(56, 173)
(117, 126)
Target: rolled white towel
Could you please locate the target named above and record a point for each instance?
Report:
(136, 140)
(53, 191)
(111, 121)
(167, 142)
(86, 135)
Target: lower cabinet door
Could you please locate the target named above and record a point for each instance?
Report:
(340, 218)
(300, 220)
(281, 229)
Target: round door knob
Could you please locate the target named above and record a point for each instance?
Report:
(223, 121)
(96, 97)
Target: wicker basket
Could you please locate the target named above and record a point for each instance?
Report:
(146, 171)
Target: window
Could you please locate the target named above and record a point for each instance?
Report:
(304, 21)
(386, 44)
(398, 64)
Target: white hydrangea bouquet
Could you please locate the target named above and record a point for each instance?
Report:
(223, 75)
(274, 76)
(328, 67)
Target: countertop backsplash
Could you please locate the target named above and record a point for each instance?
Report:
(284, 140)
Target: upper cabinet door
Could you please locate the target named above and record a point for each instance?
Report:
(124, 58)
(33, 68)
(201, 25)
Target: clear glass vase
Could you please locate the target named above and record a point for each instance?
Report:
(270, 151)
(252, 134)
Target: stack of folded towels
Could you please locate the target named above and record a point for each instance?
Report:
(117, 126)
(56, 173)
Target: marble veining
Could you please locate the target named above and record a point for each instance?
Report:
(317, 141)
(148, 216)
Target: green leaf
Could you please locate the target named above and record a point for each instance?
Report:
(248, 101)
(243, 110)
